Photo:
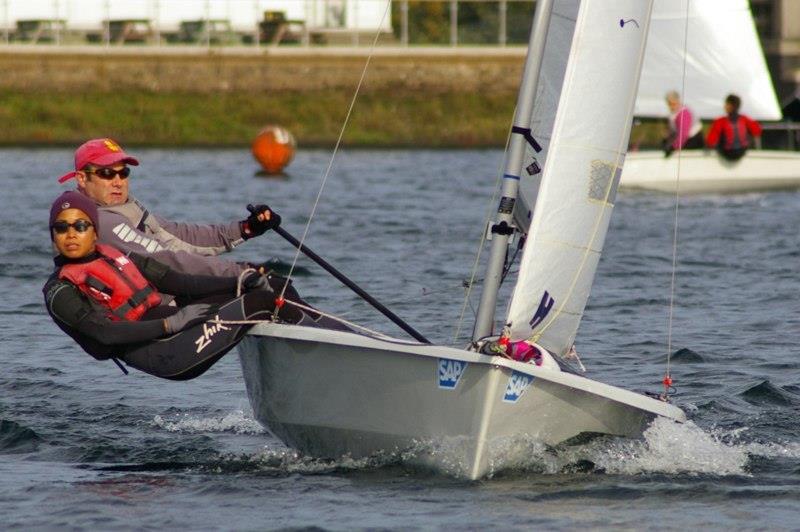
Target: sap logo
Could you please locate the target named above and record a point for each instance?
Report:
(450, 372)
(543, 310)
(517, 384)
(208, 332)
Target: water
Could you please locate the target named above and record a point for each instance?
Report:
(83, 446)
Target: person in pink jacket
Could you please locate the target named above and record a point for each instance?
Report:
(685, 131)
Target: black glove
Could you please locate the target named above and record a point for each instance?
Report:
(252, 226)
(188, 316)
(255, 281)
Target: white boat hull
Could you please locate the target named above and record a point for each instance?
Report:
(333, 394)
(707, 172)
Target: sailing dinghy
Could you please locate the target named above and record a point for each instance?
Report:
(334, 393)
(722, 55)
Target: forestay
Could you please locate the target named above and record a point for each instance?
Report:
(581, 171)
(722, 56)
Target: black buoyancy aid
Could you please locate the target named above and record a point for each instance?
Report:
(735, 133)
(114, 282)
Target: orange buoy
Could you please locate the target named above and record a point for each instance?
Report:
(273, 148)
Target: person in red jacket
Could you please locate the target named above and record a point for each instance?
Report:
(730, 134)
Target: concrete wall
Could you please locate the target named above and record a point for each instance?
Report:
(65, 70)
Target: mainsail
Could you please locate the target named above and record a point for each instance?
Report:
(722, 55)
(581, 171)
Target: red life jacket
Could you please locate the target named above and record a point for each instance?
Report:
(115, 282)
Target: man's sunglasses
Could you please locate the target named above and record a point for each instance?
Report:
(110, 173)
(62, 227)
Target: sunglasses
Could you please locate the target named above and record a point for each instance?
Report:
(110, 173)
(62, 227)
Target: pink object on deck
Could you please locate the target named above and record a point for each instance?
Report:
(524, 352)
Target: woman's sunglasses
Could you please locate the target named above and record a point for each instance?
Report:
(62, 227)
(110, 173)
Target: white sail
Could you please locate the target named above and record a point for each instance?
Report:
(548, 92)
(581, 173)
(722, 55)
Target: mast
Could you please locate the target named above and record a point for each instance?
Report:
(502, 229)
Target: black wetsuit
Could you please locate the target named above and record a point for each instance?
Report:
(144, 344)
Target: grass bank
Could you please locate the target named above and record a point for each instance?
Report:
(174, 119)
(398, 119)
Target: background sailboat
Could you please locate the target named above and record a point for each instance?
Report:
(707, 49)
(331, 393)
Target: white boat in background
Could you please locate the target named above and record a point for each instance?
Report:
(332, 393)
(722, 55)
(696, 172)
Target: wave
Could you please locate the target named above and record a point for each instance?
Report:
(16, 438)
(235, 422)
(766, 393)
(687, 356)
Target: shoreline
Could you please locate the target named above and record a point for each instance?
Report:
(460, 98)
(385, 119)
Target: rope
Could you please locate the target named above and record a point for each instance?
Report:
(335, 149)
(667, 378)
(304, 307)
(240, 279)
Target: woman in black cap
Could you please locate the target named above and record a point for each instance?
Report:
(116, 306)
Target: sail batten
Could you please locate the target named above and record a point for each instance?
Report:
(596, 91)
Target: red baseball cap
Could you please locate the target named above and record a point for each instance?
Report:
(102, 152)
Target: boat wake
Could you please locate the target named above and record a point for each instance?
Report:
(236, 422)
(666, 448)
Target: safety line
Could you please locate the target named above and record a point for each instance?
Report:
(677, 203)
(311, 309)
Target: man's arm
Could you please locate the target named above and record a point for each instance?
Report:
(210, 239)
(753, 127)
(176, 283)
(115, 230)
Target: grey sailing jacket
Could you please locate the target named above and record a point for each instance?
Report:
(185, 247)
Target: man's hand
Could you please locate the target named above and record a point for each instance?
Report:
(261, 220)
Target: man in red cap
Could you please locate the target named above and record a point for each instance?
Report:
(101, 170)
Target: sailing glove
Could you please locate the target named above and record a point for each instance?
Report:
(188, 316)
(255, 281)
(252, 226)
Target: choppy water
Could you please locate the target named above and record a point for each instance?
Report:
(82, 446)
